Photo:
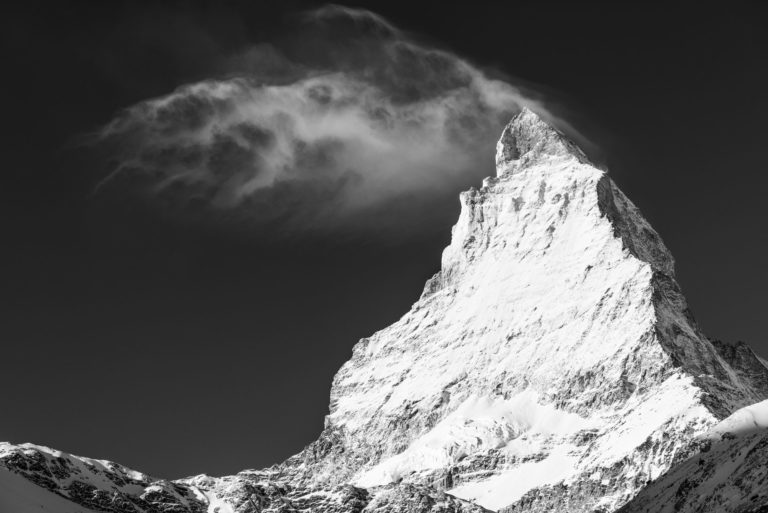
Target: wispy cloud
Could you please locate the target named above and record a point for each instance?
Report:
(348, 125)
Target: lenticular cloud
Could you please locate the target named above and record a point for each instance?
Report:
(350, 125)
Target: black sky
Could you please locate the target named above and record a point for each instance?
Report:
(180, 349)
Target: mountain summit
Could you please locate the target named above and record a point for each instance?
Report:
(527, 137)
(551, 364)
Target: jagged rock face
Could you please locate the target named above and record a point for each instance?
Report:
(748, 366)
(551, 365)
(554, 346)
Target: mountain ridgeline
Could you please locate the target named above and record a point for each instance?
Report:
(552, 364)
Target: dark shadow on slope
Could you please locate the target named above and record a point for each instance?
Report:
(727, 475)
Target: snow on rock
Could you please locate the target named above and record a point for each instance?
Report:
(20, 495)
(508, 486)
(726, 475)
(490, 422)
(551, 364)
(89, 484)
(554, 287)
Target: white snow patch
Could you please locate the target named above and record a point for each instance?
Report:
(507, 487)
(743, 421)
(216, 504)
(478, 424)
(671, 406)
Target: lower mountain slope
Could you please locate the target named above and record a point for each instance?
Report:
(35, 479)
(729, 474)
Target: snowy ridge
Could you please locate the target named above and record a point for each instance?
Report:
(89, 484)
(750, 419)
(552, 364)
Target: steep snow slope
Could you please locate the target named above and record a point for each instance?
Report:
(552, 364)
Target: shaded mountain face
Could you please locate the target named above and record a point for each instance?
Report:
(551, 364)
(728, 473)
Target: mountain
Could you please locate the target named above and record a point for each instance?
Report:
(552, 364)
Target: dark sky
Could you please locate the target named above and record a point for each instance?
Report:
(178, 348)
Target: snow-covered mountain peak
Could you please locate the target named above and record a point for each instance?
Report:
(553, 345)
(551, 364)
(528, 137)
